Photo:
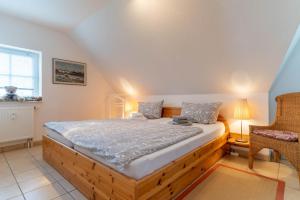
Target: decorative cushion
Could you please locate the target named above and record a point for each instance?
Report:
(279, 135)
(151, 110)
(204, 113)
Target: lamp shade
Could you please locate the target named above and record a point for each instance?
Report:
(241, 110)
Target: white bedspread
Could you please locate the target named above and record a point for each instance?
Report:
(147, 164)
(119, 142)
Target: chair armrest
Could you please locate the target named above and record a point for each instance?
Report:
(254, 127)
(298, 140)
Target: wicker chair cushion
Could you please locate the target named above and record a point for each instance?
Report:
(279, 135)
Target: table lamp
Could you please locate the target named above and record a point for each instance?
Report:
(242, 113)
(130, 107)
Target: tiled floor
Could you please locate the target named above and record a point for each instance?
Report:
(24, 175)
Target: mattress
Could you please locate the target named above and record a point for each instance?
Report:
(147, 164)
(59, 138)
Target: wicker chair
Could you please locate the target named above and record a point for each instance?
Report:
(288, 119)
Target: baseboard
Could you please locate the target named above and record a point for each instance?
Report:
(17, 145)
(37, 143)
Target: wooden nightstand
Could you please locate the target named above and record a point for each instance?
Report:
(233, 143)
(241, 148)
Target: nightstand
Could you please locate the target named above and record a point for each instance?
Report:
(233, 143)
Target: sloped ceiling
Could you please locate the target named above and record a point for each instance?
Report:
(191, 47)
(180, 46)
(59, 14)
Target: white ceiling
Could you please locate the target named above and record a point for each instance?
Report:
(191, 47)
(175, 46)
(59, 14)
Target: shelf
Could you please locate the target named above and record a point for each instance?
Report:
(234, 136)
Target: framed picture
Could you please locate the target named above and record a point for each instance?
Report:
(69, 72)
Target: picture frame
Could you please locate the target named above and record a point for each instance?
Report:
(69, 72)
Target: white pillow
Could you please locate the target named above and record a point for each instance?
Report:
(203, 113)
(151, 110)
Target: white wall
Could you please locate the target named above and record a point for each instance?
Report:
(60, 102)
(258, 103)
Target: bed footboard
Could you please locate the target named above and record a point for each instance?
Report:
(97, 181)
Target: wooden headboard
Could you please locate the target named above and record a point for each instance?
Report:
(175, 111)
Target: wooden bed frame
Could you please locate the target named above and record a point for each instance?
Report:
(97, 181)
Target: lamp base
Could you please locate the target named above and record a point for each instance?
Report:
(241, 140)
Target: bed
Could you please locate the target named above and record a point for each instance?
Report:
(160, 175)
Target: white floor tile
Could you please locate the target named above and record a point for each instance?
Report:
(289, 175)
(48, 192)
(36, 150)
(22, 165)
(36, 153)
(3, 164)
(46, 166)
(43, 170)
(29, 175)
(4, 169)
(38, 157)
(9, 192)
(56, 175)
(77, 195)
(64, 197)
(18, 154)
(35, 183)
(42, 163)
(7, 180)
(22, 161)
(291, 194)
(17, 198)
(66, 185)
